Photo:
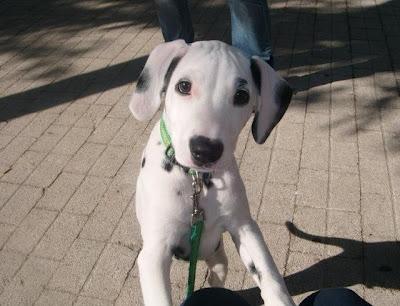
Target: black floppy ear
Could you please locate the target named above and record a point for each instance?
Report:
(273, 100)
(146, 98)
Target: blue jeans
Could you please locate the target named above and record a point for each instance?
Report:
(250, 20)
(324, 297)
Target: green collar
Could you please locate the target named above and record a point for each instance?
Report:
(166, 139)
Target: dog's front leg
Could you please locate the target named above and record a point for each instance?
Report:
(154, 269)
(259, 262)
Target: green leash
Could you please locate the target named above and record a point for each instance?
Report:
(197, 213)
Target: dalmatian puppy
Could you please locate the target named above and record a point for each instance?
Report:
(209, 90)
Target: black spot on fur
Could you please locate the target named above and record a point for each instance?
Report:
(208, 182)
(179, 253)
(256, 73)
(168, 75)
(158, 143)
(179, 193)
(167, 165)
(143, 161)
(253, 270)
(143, 81)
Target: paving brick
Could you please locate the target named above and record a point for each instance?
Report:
(347, 227)
(312, 221)
(84, 159)
(76, 266)
(4, 139)
(253, 169)
(23, 167)
(105, 216)
(19, 205)
(59, 237)
(284, 167)
(340, 269)
(15, 149)
(381, 263)
(48, 170)
(130, 293)
(390, 120)
(277, 240)
(6, 191)
(93, 116)
(129, 132)
(374, 177)
(10, 262)
(381, 296)
(57, 195)
(110, 161)
(72, 114)
(343, 125)
(89, 301)
(108, 276)
(127, 232)
(5, 231)
(303, 266)
(316, 125)
(344, 191)
(30, 231)
(319, 99)
(87, 196)
(72, 141)
(344, 157)
(51, 297)
(39, 124)
(111, 96)
(49, 138)
(312, 188)
(120, 109)
(16, 125)
(277, 203)
(27, 285)
(289, 136)
(315, 153)
(106, 130)
(377, 216)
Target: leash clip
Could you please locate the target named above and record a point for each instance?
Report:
(197, 186)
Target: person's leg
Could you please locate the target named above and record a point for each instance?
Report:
(334, 297)
(175, 20)
(251, 27)
(215, 297)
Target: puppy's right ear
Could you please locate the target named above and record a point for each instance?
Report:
(150, 86)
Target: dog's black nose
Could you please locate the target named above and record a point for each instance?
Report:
(205, 150)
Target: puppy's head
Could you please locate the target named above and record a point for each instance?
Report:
(209, 90)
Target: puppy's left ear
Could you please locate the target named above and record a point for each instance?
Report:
(273, 101)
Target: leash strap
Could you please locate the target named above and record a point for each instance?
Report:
(197, 213)
(195, 236)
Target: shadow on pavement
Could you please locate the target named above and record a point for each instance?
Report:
(373, 264)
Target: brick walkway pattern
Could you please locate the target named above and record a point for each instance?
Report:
(325, 188)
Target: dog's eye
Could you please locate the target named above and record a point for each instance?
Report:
(184, 87)
(241, 97)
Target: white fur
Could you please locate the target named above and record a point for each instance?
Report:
(163, 204)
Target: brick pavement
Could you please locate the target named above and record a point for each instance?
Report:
(69, 149)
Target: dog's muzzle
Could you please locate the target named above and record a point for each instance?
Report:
(205, 151)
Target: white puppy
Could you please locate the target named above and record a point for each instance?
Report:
(209, 90)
